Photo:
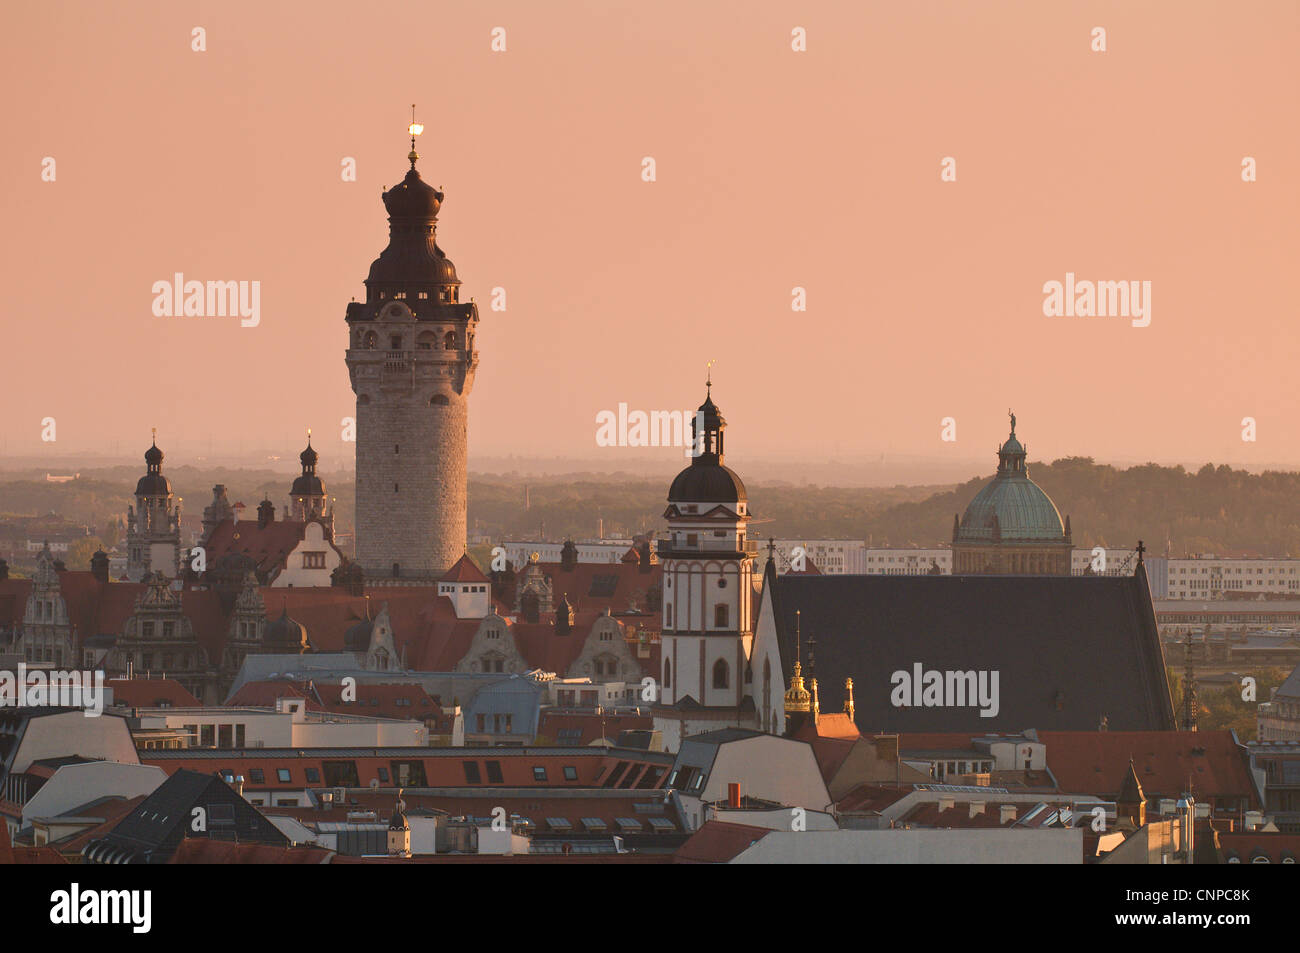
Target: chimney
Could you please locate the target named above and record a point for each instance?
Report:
(733, 795)
(265, 513)
(1007, 813)
(99, 565)
(1166, 806)
(947, 802)
(239, 785)
(4, 569)
(848, 698)
(976, 808)
(1254, 820)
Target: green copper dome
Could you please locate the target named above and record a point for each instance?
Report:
(1012, 507)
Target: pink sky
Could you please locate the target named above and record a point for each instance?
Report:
(775, 169)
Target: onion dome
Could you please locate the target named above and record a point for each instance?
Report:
(357, 636)
(286, 634)
(1012, 506)
(398, 821)
(412, 255)
(309, 484)
(707, 480)
(153, 483)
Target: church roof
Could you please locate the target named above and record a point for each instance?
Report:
(1068, 650)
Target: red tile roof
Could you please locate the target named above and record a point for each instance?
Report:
(26, 855)
(628, 582)
(151, 693)
(465, 570)
(718, 842)
(872, 798)
(268, 546)
(1249, 844)
(201, 850)
(552, 722)
(1095, 762)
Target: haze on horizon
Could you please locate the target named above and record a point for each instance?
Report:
(775, 169)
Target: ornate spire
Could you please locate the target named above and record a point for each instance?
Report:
(414, 129)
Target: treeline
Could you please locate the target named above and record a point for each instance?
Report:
(1213, 509)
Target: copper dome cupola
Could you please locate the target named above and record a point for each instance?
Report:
(153, 483)
(309, 484)
(412, 258)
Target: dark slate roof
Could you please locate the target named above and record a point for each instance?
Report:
(1068, 649)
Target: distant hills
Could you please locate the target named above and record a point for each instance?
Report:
(1213, 509)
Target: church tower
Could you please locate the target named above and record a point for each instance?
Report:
(411, 360)
(307, 499)
(708, 595)
(153, 527)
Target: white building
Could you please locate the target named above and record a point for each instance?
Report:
(1210, 577)
(288, 725)
(589, 550)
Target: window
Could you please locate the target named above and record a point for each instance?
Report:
(257, 775)
(341, 774)
(720, 616)
(146, 630)
(668, 674)
(570, 773)
(282, 775)
(539, 772)
(383, 775)
(313, 560)
(721, 675)
(471, 772)
(313, 776)
(494, 772)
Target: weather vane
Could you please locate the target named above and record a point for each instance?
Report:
(414, 129)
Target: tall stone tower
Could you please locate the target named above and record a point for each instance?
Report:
(411, 359)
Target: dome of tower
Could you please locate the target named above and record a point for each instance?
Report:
(707, 483)
(1011, 506)
(412, 254)
(153, 483)
(707, 480)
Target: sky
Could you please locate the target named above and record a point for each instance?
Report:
(775, 169)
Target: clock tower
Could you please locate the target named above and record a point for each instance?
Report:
(411, 360)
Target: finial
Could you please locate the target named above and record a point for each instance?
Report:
(709, 383)
(154, 430)
(414, 129)
(1140, 550)
(798, 643)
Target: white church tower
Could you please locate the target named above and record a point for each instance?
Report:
(708, 596)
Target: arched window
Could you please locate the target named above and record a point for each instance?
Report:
(449, 342)
(721, 674)
(720, 616)
(668, 673)
(371, 340)
(438, 400)
(425, 341)
(397, 570)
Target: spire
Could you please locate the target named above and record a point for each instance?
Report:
(848, 698)
(1011, 455)
(1190, 705)
(414, 129)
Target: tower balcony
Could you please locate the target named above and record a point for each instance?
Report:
(706, 544)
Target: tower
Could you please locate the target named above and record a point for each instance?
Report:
(708, 596)
(153, 530)
(307, 499)
(399, 830)
(411, 361)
